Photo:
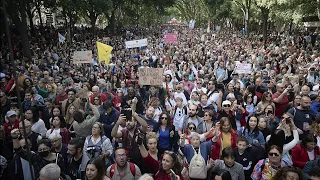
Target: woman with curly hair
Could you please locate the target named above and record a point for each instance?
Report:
(289, 173)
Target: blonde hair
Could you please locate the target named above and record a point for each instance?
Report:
(151, 135)
(69, 117)
(146, 177)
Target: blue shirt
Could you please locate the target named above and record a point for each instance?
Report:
(252, 137)
(205, 149)
(164, 138)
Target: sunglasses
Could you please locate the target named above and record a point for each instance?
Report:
(192, 128)
(274, 154)
(206, 115)
(227, 105)
(164, 117)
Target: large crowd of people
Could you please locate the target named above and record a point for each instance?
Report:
(206, 121)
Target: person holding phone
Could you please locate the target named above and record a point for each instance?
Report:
(129, 134)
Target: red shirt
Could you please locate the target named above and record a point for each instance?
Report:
(282, 105)
(154, 165)
(300, 155)
(8, 127)
(103, 98)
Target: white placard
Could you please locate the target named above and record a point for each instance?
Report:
(136, 43)
(243, 68)
(80, 57)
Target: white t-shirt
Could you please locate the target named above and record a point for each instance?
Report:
(39, 127)
(54, 131)
(178, 118)
(311, 155)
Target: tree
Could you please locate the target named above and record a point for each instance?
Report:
(17, 12)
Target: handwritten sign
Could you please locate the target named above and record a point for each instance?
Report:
(170, 38)
(150, 76)
(243, 68)
(81, 57)
(136, 43)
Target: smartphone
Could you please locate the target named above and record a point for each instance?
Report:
(127, 113)
(140, 138)
(173, 175)
(290, 90)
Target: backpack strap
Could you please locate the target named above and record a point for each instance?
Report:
(112, 169)
(132, 169)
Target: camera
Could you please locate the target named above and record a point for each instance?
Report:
(140, 138)
(290, 90)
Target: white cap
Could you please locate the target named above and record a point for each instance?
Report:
(11, 113)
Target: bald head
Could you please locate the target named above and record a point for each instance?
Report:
(305, 102)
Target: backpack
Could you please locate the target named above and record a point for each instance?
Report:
(184, 109)
(197, 166)
(132, 169)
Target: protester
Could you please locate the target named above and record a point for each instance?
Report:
(203, 82)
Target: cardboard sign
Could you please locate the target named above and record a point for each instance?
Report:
(136, 43)
(170, 38)
(151, 76)
(81, 57)
(243, 68)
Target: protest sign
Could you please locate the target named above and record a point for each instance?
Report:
(242, 68)
(136, 43)
(170, 38)
(81, 57)
(151, 76)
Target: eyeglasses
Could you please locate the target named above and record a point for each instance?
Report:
(120, 155)
(274, 154)
(167, 77)
(206, 115)
(192, 128)
(227, 105)
(199, 83)
(164, 117)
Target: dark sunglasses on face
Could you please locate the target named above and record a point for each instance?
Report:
(192, 128)
(274, 154)
(164, 117)
(227, 105)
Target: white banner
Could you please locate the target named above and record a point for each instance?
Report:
(243, 68)
(136, 43)
(81, 57)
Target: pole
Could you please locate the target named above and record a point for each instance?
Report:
(16, 86)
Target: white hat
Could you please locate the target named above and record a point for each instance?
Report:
(226, 102)
(11, 113)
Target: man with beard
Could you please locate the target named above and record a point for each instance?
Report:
(127, 100)
(129, 135)
(303, 115)
(149, 118)
(192, 118)
(123, 169)
(77, 160)
(70, 100)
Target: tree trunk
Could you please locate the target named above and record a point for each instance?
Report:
(23, 30)
(30, 16)
(93, 19)
(265, 16)
(112, 22)
(40, 18)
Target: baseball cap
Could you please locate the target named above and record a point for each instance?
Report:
(11, 113)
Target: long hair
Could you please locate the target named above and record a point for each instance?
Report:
(168, 120)
(177, 167)
(256, 129)
(309, 138)
(98, 163)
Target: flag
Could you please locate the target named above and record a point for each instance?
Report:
(104, 52)
(191, 23)
(61, 38)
